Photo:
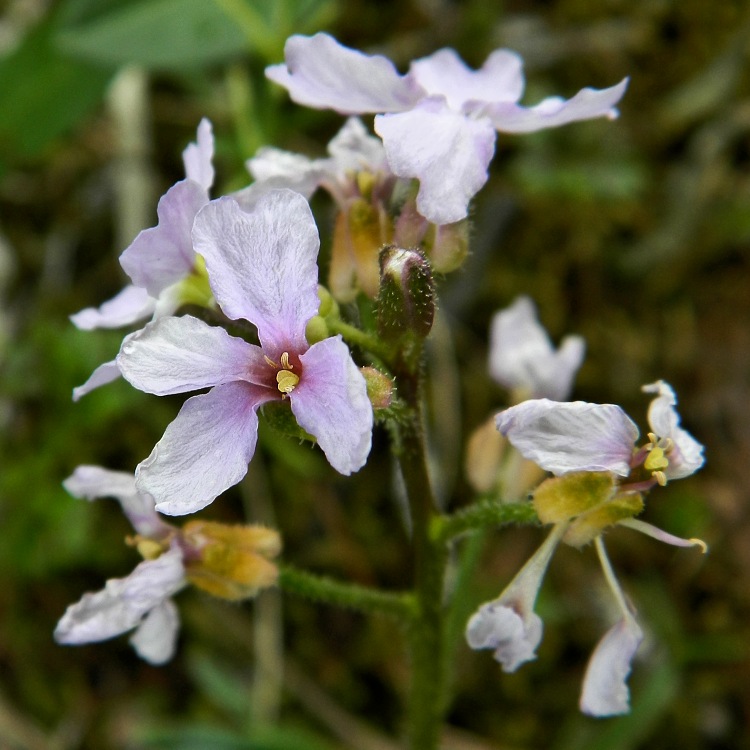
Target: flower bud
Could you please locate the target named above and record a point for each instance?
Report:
(379, 387)
(447, 246)
(406, 300)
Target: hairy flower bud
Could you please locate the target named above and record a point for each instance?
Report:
(406, 300)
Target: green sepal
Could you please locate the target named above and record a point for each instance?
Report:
(562, 498)
(278, 415)
(588, 526)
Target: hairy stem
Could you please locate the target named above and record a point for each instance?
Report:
(349, 595)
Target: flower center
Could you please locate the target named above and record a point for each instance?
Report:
(656, 459)
(286, 380)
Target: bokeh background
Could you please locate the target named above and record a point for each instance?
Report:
(635, 234)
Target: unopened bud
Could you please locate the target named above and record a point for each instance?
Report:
(448, 246)
(406, 300)
(379, 387)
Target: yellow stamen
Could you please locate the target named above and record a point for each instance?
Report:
(287, 381)
(699, 543)
(656, 460)
(271, 362)
(285, 361)
(660, 477)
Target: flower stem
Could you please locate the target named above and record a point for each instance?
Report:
(354, 335)
(426, 641)
(483, 514)
(349, 595)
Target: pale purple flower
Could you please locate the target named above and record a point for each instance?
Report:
(579, 436)
(508, 624)
(140, 601)
(262, 268)
(605, 691)
(438, 121)
(523, 359)
(351, 151)
(159, 260)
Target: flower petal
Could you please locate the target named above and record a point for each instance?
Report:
(107, 372)
(571, 436)
(92, 482)
(197, 157)
(262, 266)
(205, 450)
(588, 103)
(128, 306)
(605, 692)
(509, 624)
(686, 456)
(121, 604)
(163, 255)
(155, 639)
(175, 355)
(444, 73)
(522, 357)
(274, 169)
(514, 638)
(354, 149)
(447, 152)
(331, 403)
(319, 72)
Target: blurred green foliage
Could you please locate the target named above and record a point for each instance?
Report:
(633, 233)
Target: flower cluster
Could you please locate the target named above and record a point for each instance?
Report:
(600, 479)
(438, 121)
(268, 341)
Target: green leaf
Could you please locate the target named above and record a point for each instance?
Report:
(160, 34)
(44, 94)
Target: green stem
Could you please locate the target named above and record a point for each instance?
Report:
(426, 641)
(364, 340)
(483, 514)
(350, 595)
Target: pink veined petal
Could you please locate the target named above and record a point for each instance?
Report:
(513, 638)
(262, 266)
(175, 355)
(331, 403)
(571, 436)
(605, 692)
(128, 306)
(686, 456)
(155, 639)
(93, 482)
(107, 372)
(162, 255)
(522, 356)
(587, 104)
(319, 72)
(205, 450)
(444, 73)
(448, 153)
(123, 602)
(198, 157)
